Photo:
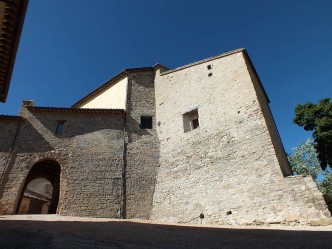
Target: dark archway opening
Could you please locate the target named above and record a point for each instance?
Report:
(40, 194)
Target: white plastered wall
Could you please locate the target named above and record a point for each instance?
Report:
(113, 97)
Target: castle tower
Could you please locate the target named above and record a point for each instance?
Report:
(220, 152)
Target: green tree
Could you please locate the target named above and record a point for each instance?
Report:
(304, 161)
(318, 118)
(326, 188)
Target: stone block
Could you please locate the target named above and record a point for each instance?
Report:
(321, 222)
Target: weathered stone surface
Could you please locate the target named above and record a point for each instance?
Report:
(142, 153)
(232, 168)
(8, 132)
(89, 152)
(321, 222)
(234, 161)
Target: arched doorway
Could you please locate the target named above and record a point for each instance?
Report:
(40, 194)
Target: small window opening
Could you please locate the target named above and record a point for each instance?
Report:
(190, 120)
(210, 74)
(60, 126)
(209, 67)
(146, 122)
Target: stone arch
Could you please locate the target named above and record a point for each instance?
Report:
(37, 196)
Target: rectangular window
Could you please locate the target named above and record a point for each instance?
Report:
(190, 120)
(60, 126)
(146, 122)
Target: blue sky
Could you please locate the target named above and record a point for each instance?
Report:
(70, 47)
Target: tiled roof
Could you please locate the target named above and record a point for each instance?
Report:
(74, 110)
(10, 117)
(12, 14)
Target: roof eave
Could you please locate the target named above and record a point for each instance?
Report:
(74, 110)
(11, 117)
(13, 49)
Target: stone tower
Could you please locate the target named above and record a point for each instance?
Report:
(220, 152)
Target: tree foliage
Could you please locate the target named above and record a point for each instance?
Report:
(304, 161)
(326, 188)
(318, 118)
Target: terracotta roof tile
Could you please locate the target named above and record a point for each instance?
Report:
(10, 117)
(74, 110)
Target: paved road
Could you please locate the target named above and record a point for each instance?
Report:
(35, 234)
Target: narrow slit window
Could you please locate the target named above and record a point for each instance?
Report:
(60, 126)
(190, 120)
(146, 122)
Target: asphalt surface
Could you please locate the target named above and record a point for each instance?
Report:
(106, 233)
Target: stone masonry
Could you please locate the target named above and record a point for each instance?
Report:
(213, 150)
(232, 168)
(142, 153)
(89, 152)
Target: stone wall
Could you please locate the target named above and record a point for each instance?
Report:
(142, 152)
(8, 129)
(232, 168)
(228, 168)
(268, 119)
(102, 175)
(90, 153)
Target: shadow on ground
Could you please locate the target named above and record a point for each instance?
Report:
(116, 234)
